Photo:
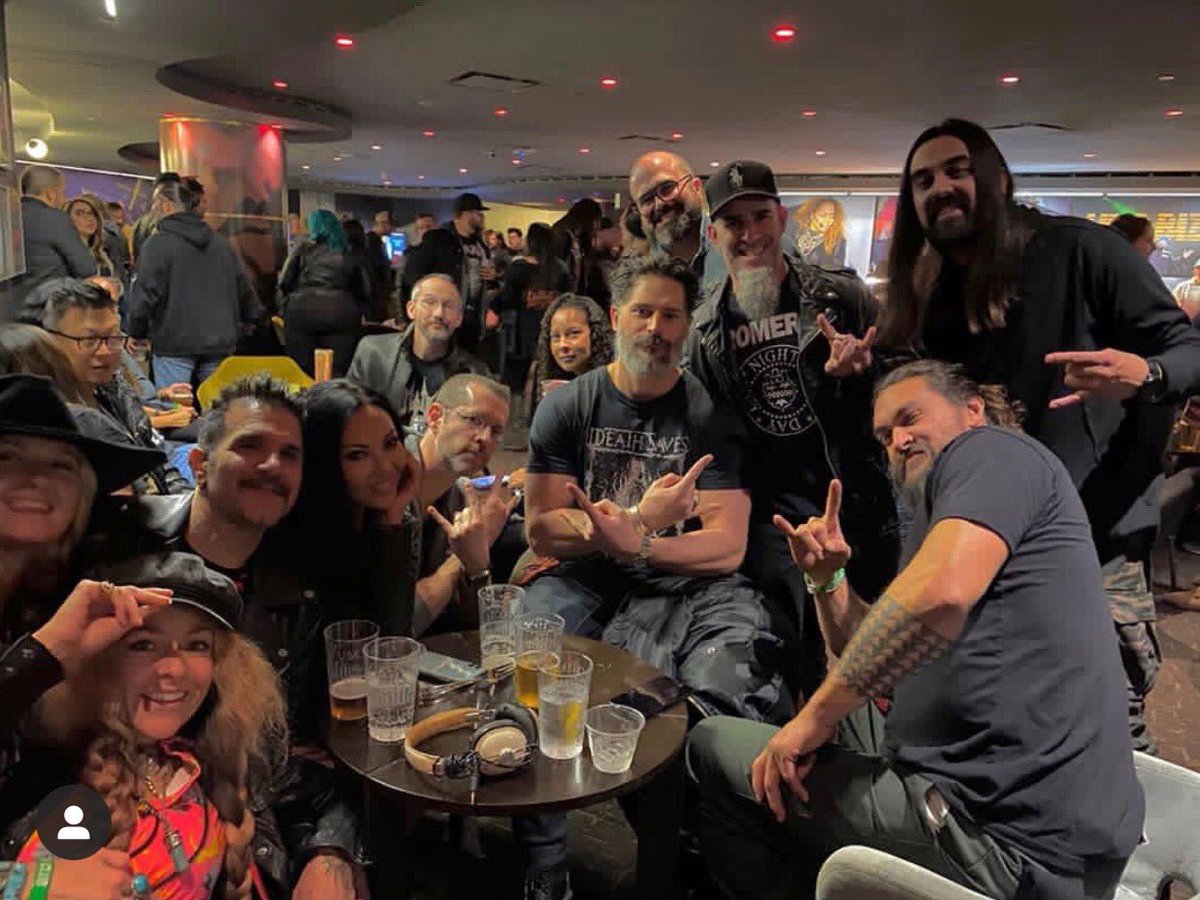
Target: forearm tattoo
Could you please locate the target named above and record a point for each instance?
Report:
(889, 644)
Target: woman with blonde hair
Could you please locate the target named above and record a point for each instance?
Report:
(87, 215)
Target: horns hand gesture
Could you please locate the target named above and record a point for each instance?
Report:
(818, 546)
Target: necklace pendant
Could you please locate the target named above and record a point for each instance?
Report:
(175, 848)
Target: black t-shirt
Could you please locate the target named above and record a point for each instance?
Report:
(426, 380)
(789, 472)
(615, 446)
(945, 334)
(1021, 724)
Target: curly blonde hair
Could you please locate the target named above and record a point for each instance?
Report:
(239, 738)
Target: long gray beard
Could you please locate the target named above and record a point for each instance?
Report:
(667, 234)
(641, 364)
(757, 293)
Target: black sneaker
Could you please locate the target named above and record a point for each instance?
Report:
(548, 884)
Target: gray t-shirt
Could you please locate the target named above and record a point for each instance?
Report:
(1021, 724)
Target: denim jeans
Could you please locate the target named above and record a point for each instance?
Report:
(183, 369)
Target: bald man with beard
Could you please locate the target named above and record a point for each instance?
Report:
(670, 200)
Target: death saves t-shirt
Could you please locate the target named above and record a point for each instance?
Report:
(789, 473)
(615, 446)
(1021, 724)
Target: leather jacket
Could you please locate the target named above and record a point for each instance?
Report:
(124, 408)
(315, 268)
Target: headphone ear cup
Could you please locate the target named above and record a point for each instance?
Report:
(524, 719)
(501, 747)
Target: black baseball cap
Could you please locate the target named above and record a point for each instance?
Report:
(468, 203)
(740, 178)
(192, 583)
(30, 406)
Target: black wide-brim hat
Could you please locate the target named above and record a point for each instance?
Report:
(30, 406)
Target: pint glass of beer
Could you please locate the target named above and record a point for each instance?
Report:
(344, 642)
(322, 365)
(537, 635)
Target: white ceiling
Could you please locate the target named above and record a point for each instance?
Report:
(876, 72)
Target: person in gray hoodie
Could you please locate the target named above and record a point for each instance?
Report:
(191, 294)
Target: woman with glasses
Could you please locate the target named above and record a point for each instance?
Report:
(87, 215)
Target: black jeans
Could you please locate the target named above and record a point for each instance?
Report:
(329, 321)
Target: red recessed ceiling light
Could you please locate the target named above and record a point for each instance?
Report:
(387, 184)
(463, 170)
(783, 34)
(1089, 156)
(279, 84)
(306, 167)
(1010, 79)
(377, 146)
(809, 113)
(420, 178)
(715, 164)
(428, 133)
(1174, 113)
(585, 150)
(500, 111)
(608, 83)
(344, 41)
(677, 135)
(277, 126)
(516, 162)
(1166, 76)
(562, 199)
(822, 152)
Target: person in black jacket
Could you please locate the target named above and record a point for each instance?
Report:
(1070, 319)
(326, 292)
(82, 319)
(191, 296)
(52, 245)
(456, 250)
(775, 340)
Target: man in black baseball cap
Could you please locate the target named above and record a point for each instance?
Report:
(457, 250)
(757, 345)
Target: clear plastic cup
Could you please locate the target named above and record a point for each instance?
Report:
(564, 681)
(537, 635)
(346, 667)
(613, 732)
(391, 664)
(499, 605)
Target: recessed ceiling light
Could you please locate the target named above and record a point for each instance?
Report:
(420, 178)
(1089, 156)
(783, 34)
(279, 84)
(500, 111)
(1174, 113)
(516, 162)
(677, 135)
(377, 146)
(37, 148)
(1010, 79)
(110, 7)
(809, 113)
(715, 164)
(608, 82)
(428, 133)
(306, 167)
(822, 152)
(585, 150)
(344, 41)
(562, 199)
(463, 170)
(276, 126)
(337, 159)
(1166, 77)
(387, 184)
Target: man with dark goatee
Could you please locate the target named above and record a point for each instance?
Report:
(777, 341)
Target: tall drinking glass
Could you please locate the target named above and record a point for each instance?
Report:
(344, 642)
(391, 687)
(537, 635)
(499, 605)
(564, 680)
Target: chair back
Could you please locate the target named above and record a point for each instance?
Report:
(234, 367)
(1172, 829)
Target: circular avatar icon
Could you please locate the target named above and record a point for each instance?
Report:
(73, 822)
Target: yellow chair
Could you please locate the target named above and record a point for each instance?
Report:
(234, 367)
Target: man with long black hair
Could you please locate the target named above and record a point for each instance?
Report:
(1069, 318)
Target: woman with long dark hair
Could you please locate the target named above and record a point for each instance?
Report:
(358, 529)
(531, 285)
(87, 215)
(326, 292)
(575, 235)
(575, 337)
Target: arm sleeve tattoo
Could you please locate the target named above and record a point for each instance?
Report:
(889, 644)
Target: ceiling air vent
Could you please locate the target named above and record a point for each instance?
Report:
(486, 81)
(1017, 126)
(653, 138)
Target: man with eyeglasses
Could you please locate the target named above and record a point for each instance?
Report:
(466, 421)
(410, 367)
(670, 200)
(82, 318)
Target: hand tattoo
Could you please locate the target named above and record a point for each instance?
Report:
(889, 644)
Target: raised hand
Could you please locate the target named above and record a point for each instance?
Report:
(468, 536)
(1107, 374)
(848, 355)
(94, 616)
(818, 547)
(672, 498)
(613, 529)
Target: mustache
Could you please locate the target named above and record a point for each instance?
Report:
(653, 342)
(957, 200)
(265, 483)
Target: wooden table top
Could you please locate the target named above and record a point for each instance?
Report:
(548, 784)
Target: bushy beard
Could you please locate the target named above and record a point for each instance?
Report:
(953, 234)
(756, 292)
(631, 352)
(669, 232)
(911, 491)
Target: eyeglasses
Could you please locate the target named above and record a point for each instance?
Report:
(478, 424)
(91, 343)
(666, 192)
(446, 306)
